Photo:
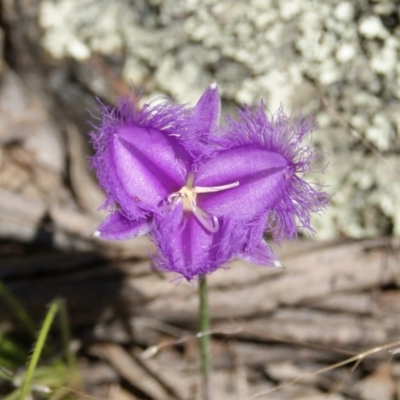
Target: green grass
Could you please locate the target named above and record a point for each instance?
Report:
(45, 370)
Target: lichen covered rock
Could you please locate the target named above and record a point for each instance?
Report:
(335, 59)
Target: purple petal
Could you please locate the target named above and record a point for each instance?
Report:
(138, 160)
(149, 166)
(262, 255)
(207, 110)
(118, 227)
(202, 124)
(186, 247)
(255, 249)
(262, 176)
(274, 132)
(293, 204)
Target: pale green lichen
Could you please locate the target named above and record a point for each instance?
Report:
(81, 28)
(335, 59)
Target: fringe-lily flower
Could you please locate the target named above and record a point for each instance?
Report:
(204, 194)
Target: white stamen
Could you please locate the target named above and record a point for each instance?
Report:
(96, 234)
(210, 222)
(202, 189)
(213, 85)
(174, 196)
(188, 195)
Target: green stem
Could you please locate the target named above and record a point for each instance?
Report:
(204, 338)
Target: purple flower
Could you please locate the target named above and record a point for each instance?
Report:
(204, 194)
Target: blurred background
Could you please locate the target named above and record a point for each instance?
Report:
(337, 60)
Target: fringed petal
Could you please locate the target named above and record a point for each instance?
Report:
(275, 134)
(202, 124)
(137, 161)
(261, 175)
(262, 255)
(187, 248)
(293, 210)
(206, 113)
(118, 227)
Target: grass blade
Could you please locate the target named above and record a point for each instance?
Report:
(66, 335)
(11, 349)
(15, 305)
(41, 340)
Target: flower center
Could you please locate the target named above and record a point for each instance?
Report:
(188, 194)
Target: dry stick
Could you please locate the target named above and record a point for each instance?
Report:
(345, 124)
(117, 84)
(275, 338)
(353, 368)
(153, 350)
(357, 357)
